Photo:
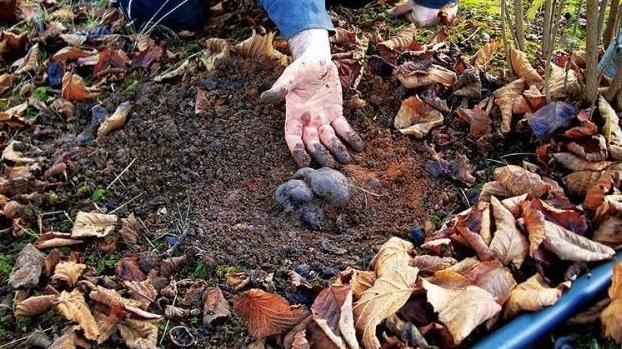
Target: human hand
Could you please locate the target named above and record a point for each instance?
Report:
(314, 121)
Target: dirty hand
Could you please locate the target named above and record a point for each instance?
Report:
(314, 121)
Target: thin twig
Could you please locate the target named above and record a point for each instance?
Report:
(121, 174)
(126, 203)
(169, 320)
(145, 236)
(366, 191)
(516, 154)
(22, 338)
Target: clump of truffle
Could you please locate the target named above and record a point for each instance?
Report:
(310, 191)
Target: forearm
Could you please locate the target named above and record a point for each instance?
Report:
(295, 16)
(310, 43)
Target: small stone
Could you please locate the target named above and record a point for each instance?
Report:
(303, 270)
(311, 217)
(416, 234)
(328, 272)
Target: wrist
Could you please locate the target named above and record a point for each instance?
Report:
(310, 43)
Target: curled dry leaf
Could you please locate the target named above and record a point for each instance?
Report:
(392, 253)
(573, 247)
(54, 239)
(533, 295)
(70, 53)
(505, 98)
(611, 128)
(417, 117)
(518, 181)
(267, 314)
(127, 268)
(259, 45)
(35, 305)
(217, 50)
(74, 88)
(461, 310)
(63, 107)
(478, 120)
(492, 277)
(20, 153)
(609, 232)
(69, 339)
(130, 229)
(176, 313)
(361, 281)
(27, 268)
(484, 55)
(142, 291)
(300, 341)
(332, 317)
(139, 334)
(562, 83)
(523, 68)
(412, 75)
(592, 148)
(215, 306)
(611, 317)
(431, 264)
(72, 306)
(534, 223)
(575, 163)
(6, 81)
(389, 293)
(14, 114)
(169, 265)
(401, 41)
(29, 63)
(468, 85)
(91, 224)
(114, 121)
(68, 272)
(508, 243)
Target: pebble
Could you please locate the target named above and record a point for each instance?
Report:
(328, 272)
(311, 216)
(416, 234)
(328, 247)
(303, 270)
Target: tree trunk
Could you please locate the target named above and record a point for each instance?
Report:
(601, 16)
(612, 20)
(546, 32)
(591, 42)
(518, 21)
(614, 87)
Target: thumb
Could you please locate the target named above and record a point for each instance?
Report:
(279, 90)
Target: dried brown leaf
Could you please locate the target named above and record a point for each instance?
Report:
(130, 229)
(392, 253)
(611, 317)
(518, 181)
(29, 63)
(91, 224)
(139, 334)
(508, 243)
(74, 88)
(215, 306)
(484, 55)
(532, 295)
(27, 268)
(478, 120)
(127, 268)
(401, 41)
(361, 281)
(68, 272)
(260, 46)
(389, 293)
(35, 305)
(575, 163)
(73, 307)
(267, 314)
(461, 310)
(505, 98)
(142, 291)
(6, 81)
(431, 264)
(417, 117)
(523, 68)
(412, 77)
(573, 247)
(169, 265)
(115, 121)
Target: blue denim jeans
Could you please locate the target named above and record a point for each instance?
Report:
(174, 14)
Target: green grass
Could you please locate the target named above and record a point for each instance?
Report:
(101, 261)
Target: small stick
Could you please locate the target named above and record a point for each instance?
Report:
(126, 203)
(22, 338)
(366, 191)
(145, 236)
(120, 174)
(516, 154)
(168, 320)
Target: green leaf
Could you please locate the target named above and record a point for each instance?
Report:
(98, 194)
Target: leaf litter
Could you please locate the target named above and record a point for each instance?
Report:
(507, 254)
